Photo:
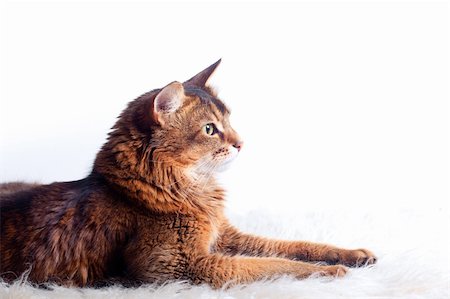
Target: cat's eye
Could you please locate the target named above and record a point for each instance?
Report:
(210, 129)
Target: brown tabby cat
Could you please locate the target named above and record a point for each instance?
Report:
(151, 211)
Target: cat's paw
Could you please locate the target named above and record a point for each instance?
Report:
(351, 258)
(308, 270)
(336, 271)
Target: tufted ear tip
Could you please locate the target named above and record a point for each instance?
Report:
(168, 100)
(202, 78)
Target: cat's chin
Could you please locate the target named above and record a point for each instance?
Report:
(201, 173)
(210, 172)
(224, 166)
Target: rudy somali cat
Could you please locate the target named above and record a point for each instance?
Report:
(150, 211)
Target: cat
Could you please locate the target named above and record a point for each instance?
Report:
(151, 211)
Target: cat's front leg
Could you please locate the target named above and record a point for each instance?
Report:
(219, 271)
(168, 262)
(234, 242)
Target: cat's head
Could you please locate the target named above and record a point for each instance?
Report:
(183, 125)
(191, 126)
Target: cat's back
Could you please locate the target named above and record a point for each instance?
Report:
(12, 187)
(49, 203)
(17, 200)
(22, 200)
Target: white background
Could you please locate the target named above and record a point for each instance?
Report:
(341, 105)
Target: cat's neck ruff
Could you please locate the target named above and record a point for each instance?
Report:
(167, 188)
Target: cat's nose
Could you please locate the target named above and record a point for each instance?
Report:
(238, 145)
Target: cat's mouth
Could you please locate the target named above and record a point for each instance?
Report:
(219, 161)
(227, 159)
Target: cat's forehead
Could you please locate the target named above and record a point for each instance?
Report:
(207, 101)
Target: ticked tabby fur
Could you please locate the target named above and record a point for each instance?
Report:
(150, 210)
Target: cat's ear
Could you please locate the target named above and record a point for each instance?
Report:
(201, 78)
(167, 101)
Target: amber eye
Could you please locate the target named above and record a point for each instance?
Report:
(209, 129)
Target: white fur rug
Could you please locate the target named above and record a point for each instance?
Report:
(412, 248)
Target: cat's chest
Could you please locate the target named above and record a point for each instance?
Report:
(195, 232)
